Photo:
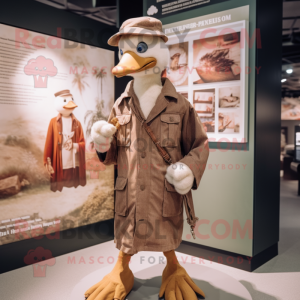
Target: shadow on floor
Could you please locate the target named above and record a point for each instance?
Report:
(148, 289)
(255, 294)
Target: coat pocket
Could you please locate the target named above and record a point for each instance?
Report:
(170, 130)
(172, 202)
(123, 135)
(121, 199)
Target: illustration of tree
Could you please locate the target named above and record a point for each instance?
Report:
(79, 82)
(100, 74)
(93, 116)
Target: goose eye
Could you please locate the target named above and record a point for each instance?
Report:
(142, 47)
(121, 51)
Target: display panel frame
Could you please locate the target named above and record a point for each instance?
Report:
(55, 228)
(190, 37)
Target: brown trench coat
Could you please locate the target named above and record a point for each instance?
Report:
(148, 210)
(53, 150)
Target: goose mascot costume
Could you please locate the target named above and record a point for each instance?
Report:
(150, 192)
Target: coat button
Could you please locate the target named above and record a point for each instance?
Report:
(143, 155)
(142, 187)
(59, 133)
(58, 143)
(171, 119)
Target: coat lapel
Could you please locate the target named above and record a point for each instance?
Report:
(74, 128)
(161, 103)
(59, 128)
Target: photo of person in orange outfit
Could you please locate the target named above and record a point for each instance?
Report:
(64, 153)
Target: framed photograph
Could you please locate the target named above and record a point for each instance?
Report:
(217, 59)
(177, 70)
(204, 104)
(229, 97)
(229, 123)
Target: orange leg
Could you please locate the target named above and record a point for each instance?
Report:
(176, 283)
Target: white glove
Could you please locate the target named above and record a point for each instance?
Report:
(102, 135)
(181, 176)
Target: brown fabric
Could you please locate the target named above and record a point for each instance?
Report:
(139, 26)
(70, 176)
(162, 151)
(63, 92)
(143, 22)
(53, 150)
(148, 210)
(191, 218)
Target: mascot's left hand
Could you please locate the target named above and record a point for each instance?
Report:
(181, 176)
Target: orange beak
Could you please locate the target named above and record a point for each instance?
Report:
(70, 105)
(132, 63)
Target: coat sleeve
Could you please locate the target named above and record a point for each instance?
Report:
(194, 144)
(48, 150)
(111, 156)
(81, 145)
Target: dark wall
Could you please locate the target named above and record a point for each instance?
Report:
(267, 126)
(35, 16)
(42, 18)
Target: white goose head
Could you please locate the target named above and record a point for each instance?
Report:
(64, 103)
(141, 55)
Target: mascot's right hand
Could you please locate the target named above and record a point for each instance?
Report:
(102, 134)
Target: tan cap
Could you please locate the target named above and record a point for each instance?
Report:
(139, 26)
(63, 93)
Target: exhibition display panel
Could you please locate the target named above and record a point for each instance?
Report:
(238, 111)
(34, 68)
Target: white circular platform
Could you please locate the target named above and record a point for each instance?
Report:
(215, 284)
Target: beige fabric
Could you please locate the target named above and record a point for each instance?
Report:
(70, 158)
(148, 210)
(139, 26)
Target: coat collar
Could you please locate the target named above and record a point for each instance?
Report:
(168, 91)
(59, 117)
